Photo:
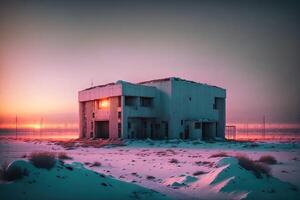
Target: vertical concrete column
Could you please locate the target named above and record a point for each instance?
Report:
(124, 119)
(221, 106)
(81, 116)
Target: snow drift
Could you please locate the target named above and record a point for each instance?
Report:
(71, 181)
(230, 181)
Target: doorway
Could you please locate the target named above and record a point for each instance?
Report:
(207, 130)
(102, 129)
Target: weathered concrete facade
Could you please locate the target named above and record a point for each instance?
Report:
(158, 109)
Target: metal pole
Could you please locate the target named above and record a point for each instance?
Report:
(264, 126)
(41, 126)
(16, 127)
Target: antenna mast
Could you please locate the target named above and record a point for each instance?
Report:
(16, 127)
(41, 126)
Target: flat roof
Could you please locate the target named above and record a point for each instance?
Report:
(154, 81)
(177, 79)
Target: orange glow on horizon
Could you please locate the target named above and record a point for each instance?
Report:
(38, 126)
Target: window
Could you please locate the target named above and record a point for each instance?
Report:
(119, 129)
(190, 98)
(146, 101)
(119, 101)
(181, 122)
(129, 125)
(197, 125)
(103, 103)
(93, 115)
(119, 115)
(157, 126)
(130, 101)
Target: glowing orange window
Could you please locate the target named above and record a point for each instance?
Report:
(103, 103)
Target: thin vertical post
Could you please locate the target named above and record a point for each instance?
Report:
(41, 126)
(264, 126)
(16, 127)
(247, 133)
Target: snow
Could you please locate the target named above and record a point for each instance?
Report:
(147, 163)
(71, 181)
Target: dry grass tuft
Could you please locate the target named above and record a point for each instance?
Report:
(95, 164)
(257, 168)
(43, 159)
(268, 159)
(173, 160)
(220, 154)
(63, 156)
(198, 173)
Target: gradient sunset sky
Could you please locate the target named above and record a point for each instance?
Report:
(52, 49)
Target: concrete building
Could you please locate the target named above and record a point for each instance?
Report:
(164, 108)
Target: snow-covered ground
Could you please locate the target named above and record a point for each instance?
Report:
(71, 182)
(184, 169)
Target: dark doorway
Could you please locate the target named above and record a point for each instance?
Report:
(165, 129)
(207, 131)
(186, 132)
(102, 129)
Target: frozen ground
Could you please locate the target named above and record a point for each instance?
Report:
(71, 182)
(169, 167)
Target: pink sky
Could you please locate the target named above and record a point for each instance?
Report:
(47, 56)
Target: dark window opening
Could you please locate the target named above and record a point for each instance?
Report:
(119, 101)
(157, 126)
(119, 129)
(93, 115)
(190, 98)
(146, 101)
(130, 100)
(119, 115)
(181, 122)
(198, 125)
(102, 129)
(129, 125)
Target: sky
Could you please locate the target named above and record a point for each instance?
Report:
(52, 49)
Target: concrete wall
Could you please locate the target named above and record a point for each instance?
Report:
(100, 92)
(176, 102)
(193, 101)
(162, 105)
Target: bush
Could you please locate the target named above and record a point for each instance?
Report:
(256, 167)
(11, 173)
(149, 177)
(220, 154)
(95, 164)
(64, 156)
(173, 160)
(268, 159)
(44, 159)
(198, 173)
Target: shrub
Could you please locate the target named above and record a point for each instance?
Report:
(150, 177)
(43, 159)
(220, 154)
(64, 156)
(173, 160)
(10, 173)
(268, 159)
(95, 164)
(256, 167)
(198, 173)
